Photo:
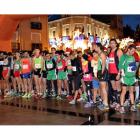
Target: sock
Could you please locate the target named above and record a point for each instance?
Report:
(137, 92)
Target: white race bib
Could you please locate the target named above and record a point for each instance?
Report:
(1, 62)
(69, 62)
(59, 67)
(74, 68)
(129, 69)
(95, 69)
(37, 66)
(86, 75)
(49, 66)
(25, 66)
(16, 66)
(111, 60)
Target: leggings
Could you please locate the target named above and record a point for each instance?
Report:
(49, 86)
(88, 89)
(70, 77)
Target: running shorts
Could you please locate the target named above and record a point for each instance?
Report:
(104, 77)
(51, 77)
(128, 81)
(11, 73)
(26, 75)
(62, 75)
(77, 82)
(112, 77)
(6, 73)
(96, 84)
(44, 74)
(37, 73)
(17, 73)
(1, 76)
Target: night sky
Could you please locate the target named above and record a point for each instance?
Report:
(131, 20)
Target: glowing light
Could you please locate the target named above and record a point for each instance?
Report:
(54, 46)
(68, 44)
(89, 45)
(58, 41)
(76, 34)
(106, 37)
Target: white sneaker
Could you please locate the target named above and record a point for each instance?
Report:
(126, 103)
(81, 99)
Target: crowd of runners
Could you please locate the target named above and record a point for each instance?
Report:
(110, 77)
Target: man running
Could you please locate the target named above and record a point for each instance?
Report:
(128, 66)
(114, 72)
(102, 74)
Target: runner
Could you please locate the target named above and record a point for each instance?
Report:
(26, 72)
(62, 75)
(1, 69)
(114, 72)
(96, 84)
(76, 71)
(128, 65)
(37, 65)
(102, 75)
(51, 75)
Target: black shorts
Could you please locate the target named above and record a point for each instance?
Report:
(12, 73)
(1, 76)
(89, 83)
(124, 85)
(44, 74)
(70, 77)
(37, 73)
(112, 77)
(104, 77)
(77, 81)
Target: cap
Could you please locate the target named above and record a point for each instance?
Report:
(4, 53)
(9, 53)
(85, 57)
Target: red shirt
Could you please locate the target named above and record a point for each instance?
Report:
(63, 64)
(135, 56)
(90, 58)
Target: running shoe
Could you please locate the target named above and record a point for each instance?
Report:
(37, 96)
(72, 102)
(48, 97)
(29, 96)
(8, 95)
(54, 94)
(58, 97)
(25, 96)
(32, 93)
(81, 99)
(65, 92)
(85, 96)
(126, 103)
(78, 96)
(5, 92)
(70, 97)
(15, 93)
(136, 101)
(67, 96)
(44, 96)
(87, 104)
(122, 111)
(104, 107)
(23, 93)
(100, 104)
(113, 105)
(91, 101)
(93, 104)
(133, 108)
(40, 97)
(98, 98)
(117, 108)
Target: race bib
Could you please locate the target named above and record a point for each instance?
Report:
(37, 66)
(111, 60)
(74, 68)
(16, 66)
(25, 66)
(95, 69)
(1, 62)
(59, 67)
(129, 69)
(49, 66)
(69, 62)
(86, 75)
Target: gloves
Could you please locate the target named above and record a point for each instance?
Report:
(132, 64)
(133, 68)
(65, 69)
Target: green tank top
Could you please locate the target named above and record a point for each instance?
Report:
(127, 71)
(100, 62)
(59, 65)
(37, 63)
(17, 65)
(49, 65)
(69, 64)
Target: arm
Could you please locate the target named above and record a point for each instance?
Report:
(119, 54)
(54, 65)
(103, 58)
(33, 64)
(9, 63)
(121, 63)
(42, 59)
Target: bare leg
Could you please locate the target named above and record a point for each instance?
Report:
(29, 84)
(36, 82)
(59, 86)
(131, 90)
(123, 95)
(66, 85)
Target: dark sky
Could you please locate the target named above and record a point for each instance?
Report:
(131, 20)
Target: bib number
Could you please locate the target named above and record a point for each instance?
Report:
(37, 66)
(111, 60)
(74, 68)
(49, 66)
(25, 66)
(129, 69)
(69, 62)
(59, 67)
(86, 75)
(95, 69)
(16, 66)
